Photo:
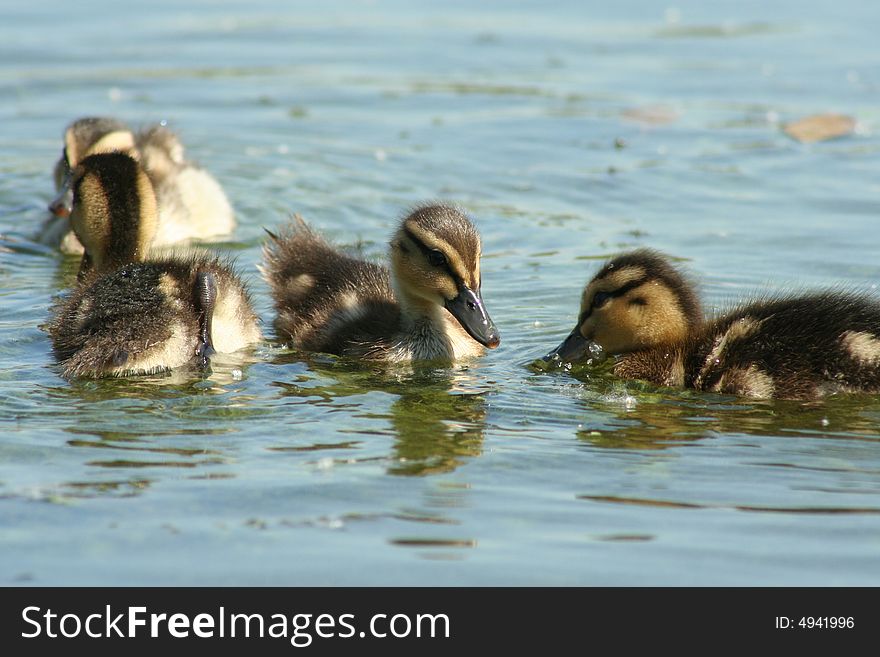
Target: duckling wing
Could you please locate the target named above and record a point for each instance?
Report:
(326, 300)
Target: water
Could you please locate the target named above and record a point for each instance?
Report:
(569, 132)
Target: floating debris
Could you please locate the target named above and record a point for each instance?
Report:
(651, 115)
(820, 127)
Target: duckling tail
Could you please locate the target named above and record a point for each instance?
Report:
(298, 224)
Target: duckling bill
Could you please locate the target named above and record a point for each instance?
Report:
(132, 312)
(641, 309)
(428, 306)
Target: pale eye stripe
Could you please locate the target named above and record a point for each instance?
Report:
(429, 242)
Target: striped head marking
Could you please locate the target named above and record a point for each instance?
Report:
(114, 210)
(436, 246)
(435, 257)
(637, 301)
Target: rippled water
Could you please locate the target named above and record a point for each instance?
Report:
(569, 131)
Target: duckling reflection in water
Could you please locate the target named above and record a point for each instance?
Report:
(642, 309)
(131, 313)
(438, 415)
(191, 203)
(428, 307)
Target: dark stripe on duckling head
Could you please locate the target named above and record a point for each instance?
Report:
(448, 229)
(656, 267)
(431, 255)
(118, 177)
(600, 296)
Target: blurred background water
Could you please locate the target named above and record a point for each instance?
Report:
(570, 131)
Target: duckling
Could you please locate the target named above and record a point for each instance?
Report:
(642, 309)
(192, 205)
(130, 312)
(429, 307)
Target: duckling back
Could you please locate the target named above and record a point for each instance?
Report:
(149, 316)
(802, 347)
(328, 301)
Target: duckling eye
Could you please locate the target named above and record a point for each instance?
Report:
(600, 299)
(436, 258)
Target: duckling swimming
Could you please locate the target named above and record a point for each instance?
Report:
(133, 313)
(641, 308)
(428, 307)
(192, 205)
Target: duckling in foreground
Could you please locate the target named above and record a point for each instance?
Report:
(192, 205)
(132, 313)
(429, 306)
(643, 309)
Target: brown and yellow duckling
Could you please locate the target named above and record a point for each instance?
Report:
(641, 309)
(132, 312)
(191, 203)
(428, 307)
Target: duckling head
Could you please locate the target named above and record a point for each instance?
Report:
(636, 301)
(114, 212)
(84, 137)
(435, 261)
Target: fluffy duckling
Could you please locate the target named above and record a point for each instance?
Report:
(428, 307)
(131, 313)
(192, 205)
(642, 309)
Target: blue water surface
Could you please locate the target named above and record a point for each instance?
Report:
(570, 131)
